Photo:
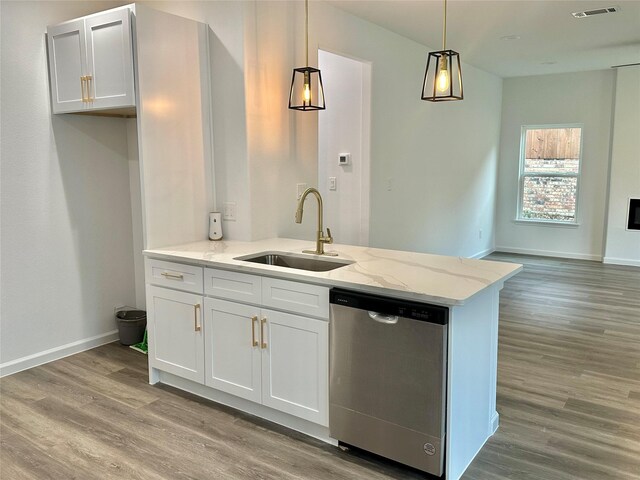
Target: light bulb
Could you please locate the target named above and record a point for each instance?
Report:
(306, 89)
(442, 82)
(307, 92)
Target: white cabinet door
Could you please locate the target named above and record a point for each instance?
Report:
(91, 63)
(110, 59)
(295, 366)
(232, 346)
(176, 343)
(66, 46)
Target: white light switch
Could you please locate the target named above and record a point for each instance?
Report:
(332, 183)
(229, 211)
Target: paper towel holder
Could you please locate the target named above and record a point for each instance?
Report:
(215, 226)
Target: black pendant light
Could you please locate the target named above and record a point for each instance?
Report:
(306, 84)
(443, 76)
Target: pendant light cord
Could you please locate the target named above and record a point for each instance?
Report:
(444, 27)
(306, 30)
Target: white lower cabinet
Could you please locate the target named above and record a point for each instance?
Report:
(274, 358)
(266, 356)
(295, 364)
(232, 348)
(176, 343)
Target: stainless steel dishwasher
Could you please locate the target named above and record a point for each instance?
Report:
(387, 380)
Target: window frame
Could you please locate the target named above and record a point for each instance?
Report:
(522, 175)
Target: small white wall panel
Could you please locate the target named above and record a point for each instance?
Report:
(471, 379)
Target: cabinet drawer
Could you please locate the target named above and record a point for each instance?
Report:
(174, 275)
(227, 285)
(309, 300)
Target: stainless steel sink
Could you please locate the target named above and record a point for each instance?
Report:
(298, 262)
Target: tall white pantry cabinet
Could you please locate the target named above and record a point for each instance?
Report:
(136, 61)
(91, 63)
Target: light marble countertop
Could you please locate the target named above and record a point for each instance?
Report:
(436, 279)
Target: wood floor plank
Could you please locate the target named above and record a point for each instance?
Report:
(568, 398)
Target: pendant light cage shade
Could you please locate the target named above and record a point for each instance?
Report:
(306, 92)
(443, 77)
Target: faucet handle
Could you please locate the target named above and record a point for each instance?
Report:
(328, 238)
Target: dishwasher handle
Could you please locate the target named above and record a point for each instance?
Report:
(383, 318)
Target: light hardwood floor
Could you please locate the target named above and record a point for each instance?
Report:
(568, 397)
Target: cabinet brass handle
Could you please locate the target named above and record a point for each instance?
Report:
(254, 342)
(262, 339)
(83, 79)
(177, 276)
(89, 80)
(196, 310)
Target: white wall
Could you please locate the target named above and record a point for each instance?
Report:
(623, 246)
(342, 129)
(586, 98)
(66, 242)
(441, 158)
(270, 134)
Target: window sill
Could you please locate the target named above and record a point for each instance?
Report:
(545, 223)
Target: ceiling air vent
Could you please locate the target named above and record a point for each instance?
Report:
(597, 11)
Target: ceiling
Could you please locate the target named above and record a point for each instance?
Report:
(550, 39)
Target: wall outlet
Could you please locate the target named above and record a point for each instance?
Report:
(229, 211)
(300, 188)
(480, 234)
(332, 183)
(389, 184)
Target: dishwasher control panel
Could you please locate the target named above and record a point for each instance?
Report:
(390, 306)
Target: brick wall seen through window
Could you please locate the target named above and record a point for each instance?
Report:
(549, 173)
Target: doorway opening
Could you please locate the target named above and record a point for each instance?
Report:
(344, 137)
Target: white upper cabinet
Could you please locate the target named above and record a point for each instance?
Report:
(91, 63)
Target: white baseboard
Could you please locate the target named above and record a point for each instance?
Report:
(30, 361)
(483, 253)
(495, 423)
(621, 261)
(549, 253)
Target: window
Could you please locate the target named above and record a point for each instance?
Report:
(549, 173)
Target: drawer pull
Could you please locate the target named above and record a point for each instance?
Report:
(262, 339)
(196, 317)
(177, 276)
(254, 342)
